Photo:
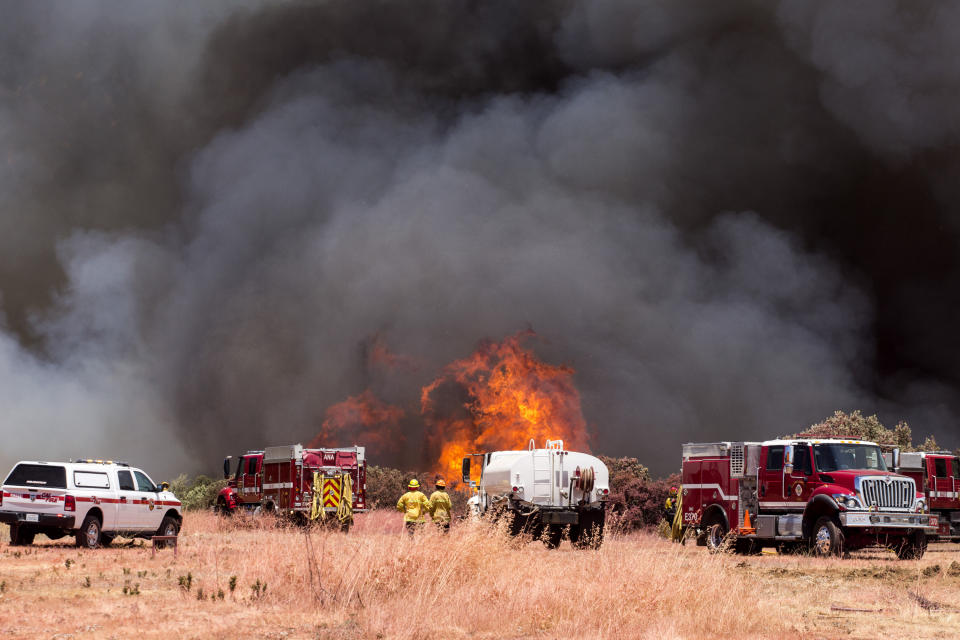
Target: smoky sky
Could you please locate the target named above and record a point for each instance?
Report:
(731, 219)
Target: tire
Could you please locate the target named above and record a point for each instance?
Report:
(913, 546)
(552, 536)
(589, 533)
(222, 508)
(170, 526)
(89, 533)
(20, 535)
(717, 537)
(826, 539)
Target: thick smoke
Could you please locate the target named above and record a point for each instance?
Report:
(731, 219)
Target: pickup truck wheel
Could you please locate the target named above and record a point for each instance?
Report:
(20, 535)
(826, 538)
(169, 527)
(913, 546)
(717, 537)
(88, 535)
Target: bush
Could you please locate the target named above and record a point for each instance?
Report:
(200, 492)
(637, 499)
(385, 485)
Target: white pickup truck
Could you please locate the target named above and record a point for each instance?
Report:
(90, 499)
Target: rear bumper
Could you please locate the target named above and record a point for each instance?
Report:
(929, 522)
(56, 521)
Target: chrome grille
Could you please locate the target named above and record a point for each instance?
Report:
(899, 493)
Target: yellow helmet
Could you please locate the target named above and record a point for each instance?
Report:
(441, 484)
(413, 484)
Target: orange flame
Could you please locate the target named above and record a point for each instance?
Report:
(363, 420)
(506, 396)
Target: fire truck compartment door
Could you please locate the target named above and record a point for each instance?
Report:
(542, 475)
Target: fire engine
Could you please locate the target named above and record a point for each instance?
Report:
(304, 484)
(93, 500)
(544, 490)
(938, 474)
(830, 494)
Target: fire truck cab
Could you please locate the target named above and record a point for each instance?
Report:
(832, 495)
(937, 474)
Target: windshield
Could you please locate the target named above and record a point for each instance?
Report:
(838, 456)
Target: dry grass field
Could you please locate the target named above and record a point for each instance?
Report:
(245, 578)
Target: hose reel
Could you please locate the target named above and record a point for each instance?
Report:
(585, 480)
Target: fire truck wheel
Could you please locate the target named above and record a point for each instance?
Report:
(222, 508)
(88, 535)
(913, 546)
(827, 538)
(168, 527)
(716, 537)
(20, 535)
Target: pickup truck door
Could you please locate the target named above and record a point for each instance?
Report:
(150, 513)
(128, 495)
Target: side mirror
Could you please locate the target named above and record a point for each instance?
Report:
(465, 467)
(896, 458)
(788, 459)
(226, 467)
(164, 486)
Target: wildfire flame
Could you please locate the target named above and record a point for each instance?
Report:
(498, 398)
(508, 397)
(364, 420)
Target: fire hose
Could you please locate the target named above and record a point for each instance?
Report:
(586, 480)
(345, 504)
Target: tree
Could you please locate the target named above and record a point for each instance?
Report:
(856, 425)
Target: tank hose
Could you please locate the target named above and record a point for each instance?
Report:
(345, 509)
(586, 480)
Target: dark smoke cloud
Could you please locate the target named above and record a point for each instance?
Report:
(730, 219)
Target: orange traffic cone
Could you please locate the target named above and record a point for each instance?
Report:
(747, 527)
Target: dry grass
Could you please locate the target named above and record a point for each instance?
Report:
(377, 582)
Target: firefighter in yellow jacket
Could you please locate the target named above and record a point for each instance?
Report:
(440, 506)
(414, 505)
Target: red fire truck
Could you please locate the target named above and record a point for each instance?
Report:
(829, 494)
(305, 484)
(937, 474)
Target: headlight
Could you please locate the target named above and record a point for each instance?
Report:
(846, 501)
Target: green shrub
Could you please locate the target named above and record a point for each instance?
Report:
(199, 492)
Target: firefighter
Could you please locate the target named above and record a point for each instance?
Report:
(670, 506)
(440, 506)
(413, 504)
